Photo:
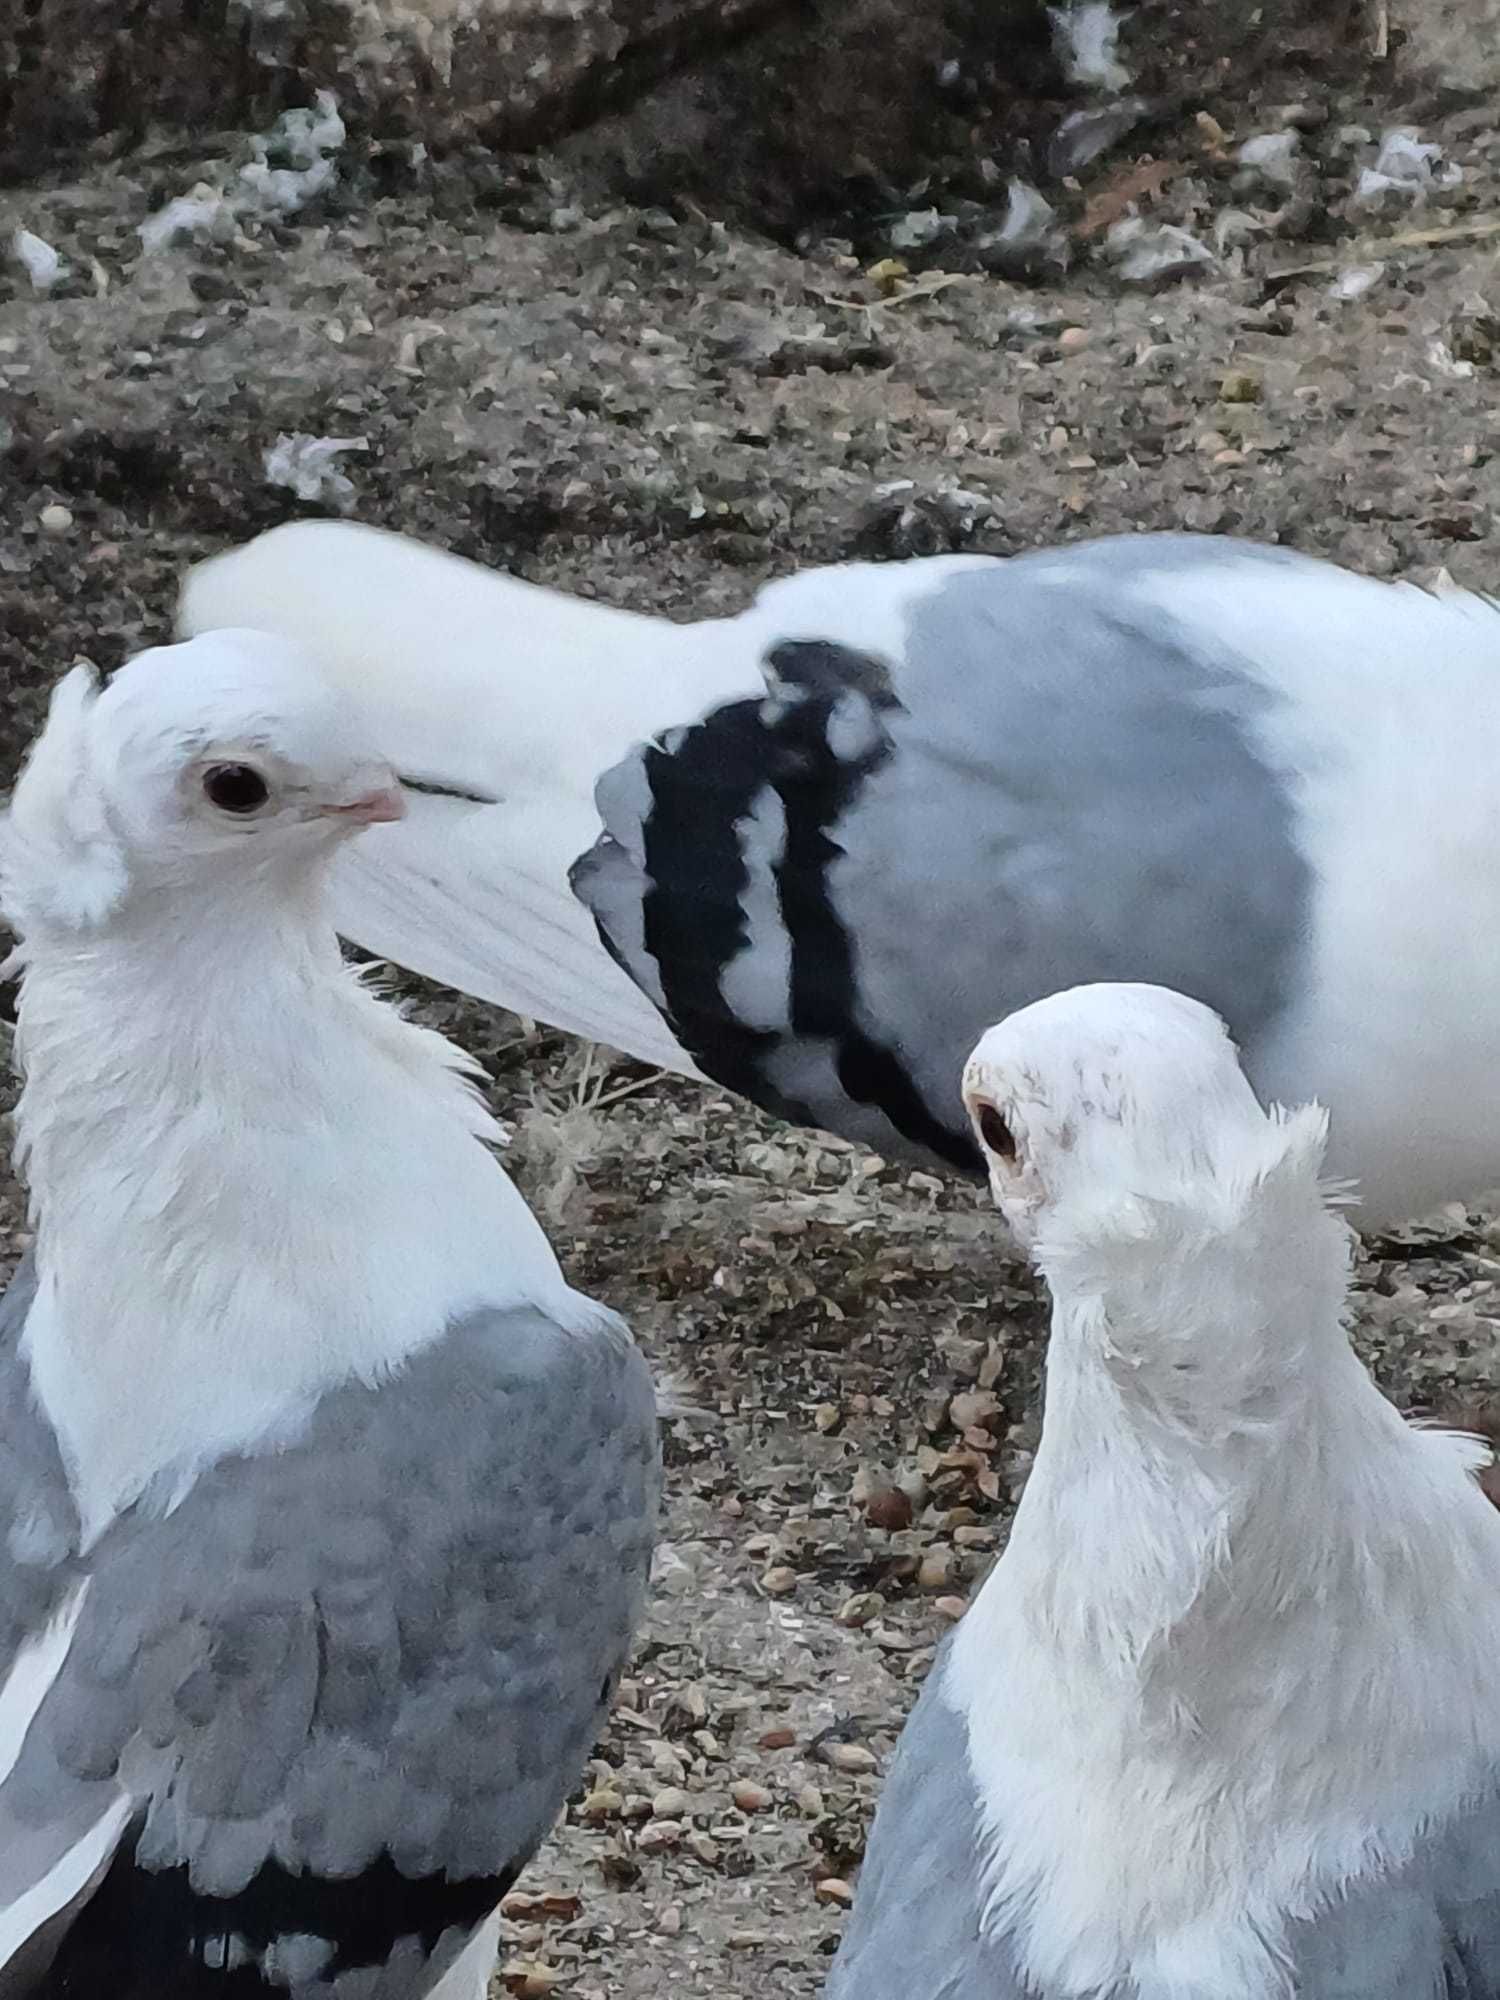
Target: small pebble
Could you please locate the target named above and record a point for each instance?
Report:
(670, 1803)
(1073, 339)
(667, 1765)
(750, 1797)
(861, 1608)
(888, 1507)
(935, 1571)
(964, 1357)
(55, 519)
(691, 1704)
(520, 1907)
(779, 1580)
(1238, 386)
(832, 1889)
(660, 1833)
(854, 1758)
(973, 1407)
(778, 1739)
(532, 1982)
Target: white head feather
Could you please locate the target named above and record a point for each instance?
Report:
(249, 1177)
(1119, 1093)
(1131, 1158)
(117, 794)
(1240, 1646)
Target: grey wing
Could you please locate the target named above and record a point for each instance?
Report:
(41, 1577)
(346, 1686)
(831, 893)
(39, 1545)
(914, 1931)
(1429, 1932)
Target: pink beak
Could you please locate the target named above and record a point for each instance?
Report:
(374, 809)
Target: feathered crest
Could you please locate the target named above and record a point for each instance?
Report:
(61, 866)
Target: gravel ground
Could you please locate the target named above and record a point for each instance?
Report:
(655, 408)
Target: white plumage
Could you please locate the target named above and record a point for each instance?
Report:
(169, 1054)
(522, 697)
(517, 695)
(1227, 1711)
(1211, 765)
(327, 1502)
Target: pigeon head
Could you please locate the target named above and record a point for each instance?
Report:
(1104, 1099)
(228, 750)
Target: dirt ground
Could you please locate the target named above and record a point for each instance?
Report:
(649, 406)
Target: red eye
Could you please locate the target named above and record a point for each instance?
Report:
(996, 1134)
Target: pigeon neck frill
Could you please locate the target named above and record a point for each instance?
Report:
(1234, 1628)
(272, 1182)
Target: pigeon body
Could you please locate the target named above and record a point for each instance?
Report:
(827, 840)
(329, 1505)
(1225, 1717)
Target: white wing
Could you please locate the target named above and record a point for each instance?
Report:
(518, 696)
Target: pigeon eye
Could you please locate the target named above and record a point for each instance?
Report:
(235, 788)
(996, 1134)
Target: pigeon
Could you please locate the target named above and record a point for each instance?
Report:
(812, 850)
(1224, 1719)
(327, 1505)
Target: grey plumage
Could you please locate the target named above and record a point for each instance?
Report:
(1430, 1932)
(1179, 758)
(39, 1553)
(393, 1639)
(328, 1504)
(833, 894)
(915, 1930)
(1224, 1719)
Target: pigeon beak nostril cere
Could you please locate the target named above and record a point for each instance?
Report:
(377, 808)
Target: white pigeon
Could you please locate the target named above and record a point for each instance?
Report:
(1224, 1721)
(1229, 769)
(327, 1505)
